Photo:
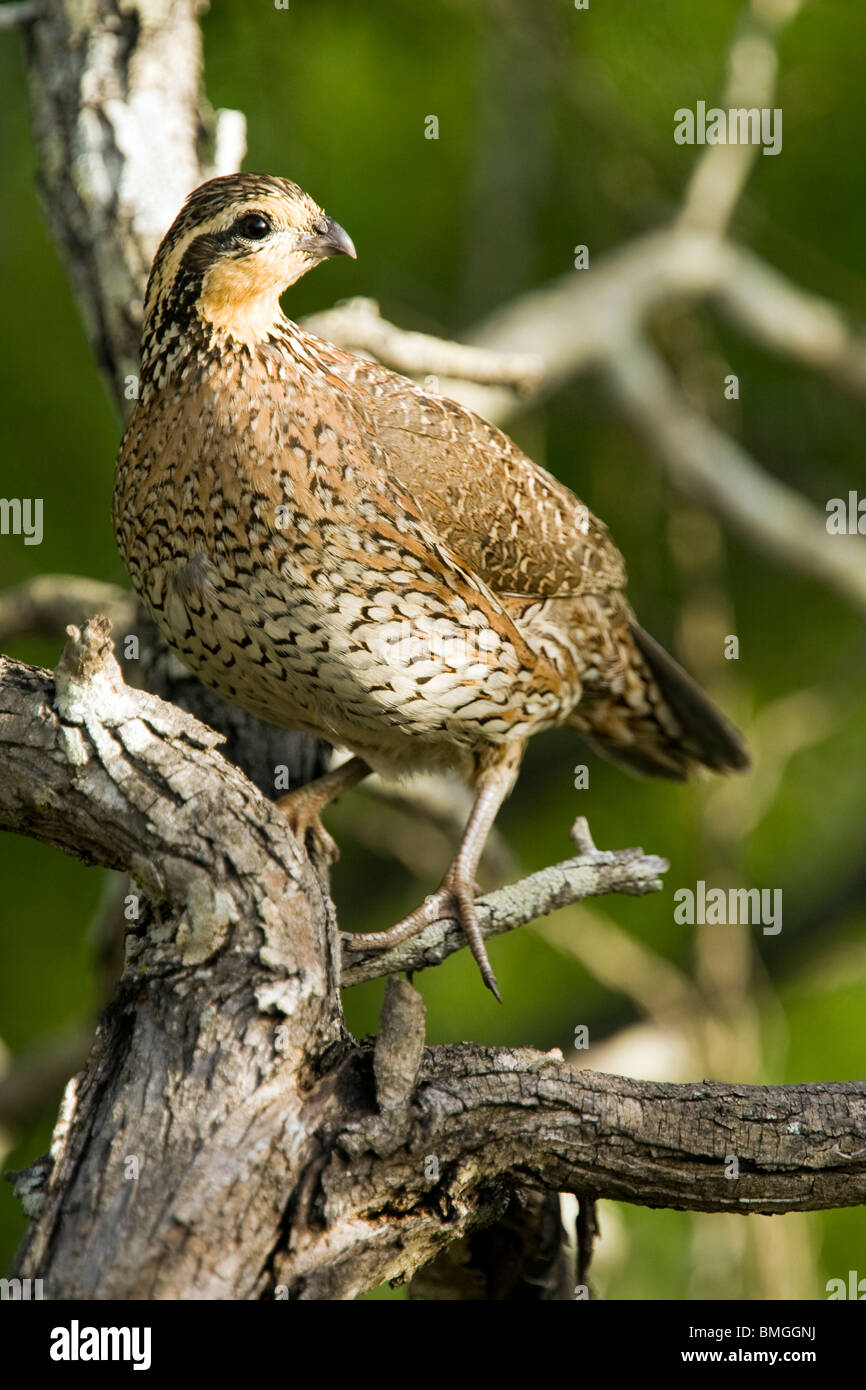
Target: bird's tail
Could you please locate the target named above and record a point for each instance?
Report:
(667, 727)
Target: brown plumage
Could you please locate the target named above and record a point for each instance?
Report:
(337, 550)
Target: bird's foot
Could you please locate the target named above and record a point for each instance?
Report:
(301, 810)
(455, 898)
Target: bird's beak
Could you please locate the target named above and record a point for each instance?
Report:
(329, 239)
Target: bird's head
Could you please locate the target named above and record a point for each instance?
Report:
(236, 244)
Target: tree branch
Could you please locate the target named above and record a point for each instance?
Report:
(591, 874)
(231, 972)
(18, 16)
(67, 787)
(357, 325)
(711, 467)
(389, 1199)
(122, 131)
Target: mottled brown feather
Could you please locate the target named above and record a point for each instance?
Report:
(336, 549)
(521, 529)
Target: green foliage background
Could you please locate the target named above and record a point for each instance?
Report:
(556, 128)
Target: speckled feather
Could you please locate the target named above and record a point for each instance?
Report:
(336, 550)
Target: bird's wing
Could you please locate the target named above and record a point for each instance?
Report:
(515, 524)
(374, 524)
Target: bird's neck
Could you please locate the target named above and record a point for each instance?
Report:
(228, 305)
(179, 346)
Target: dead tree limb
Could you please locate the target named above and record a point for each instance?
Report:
(116, 776)
(227, 1139)
(123, 131)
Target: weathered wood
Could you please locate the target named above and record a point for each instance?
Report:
(225, 1139)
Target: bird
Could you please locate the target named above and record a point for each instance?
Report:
(339, 550)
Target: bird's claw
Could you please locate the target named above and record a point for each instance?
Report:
(306, 825)
(455, 899)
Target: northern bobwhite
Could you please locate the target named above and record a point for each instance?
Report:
(337, 550)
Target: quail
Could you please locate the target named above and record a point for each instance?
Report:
(337, 550)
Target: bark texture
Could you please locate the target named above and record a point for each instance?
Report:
(228, 1139)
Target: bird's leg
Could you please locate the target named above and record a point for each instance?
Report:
(303, 808)
(495, 776)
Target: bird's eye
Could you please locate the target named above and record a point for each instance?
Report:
(253, 225)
